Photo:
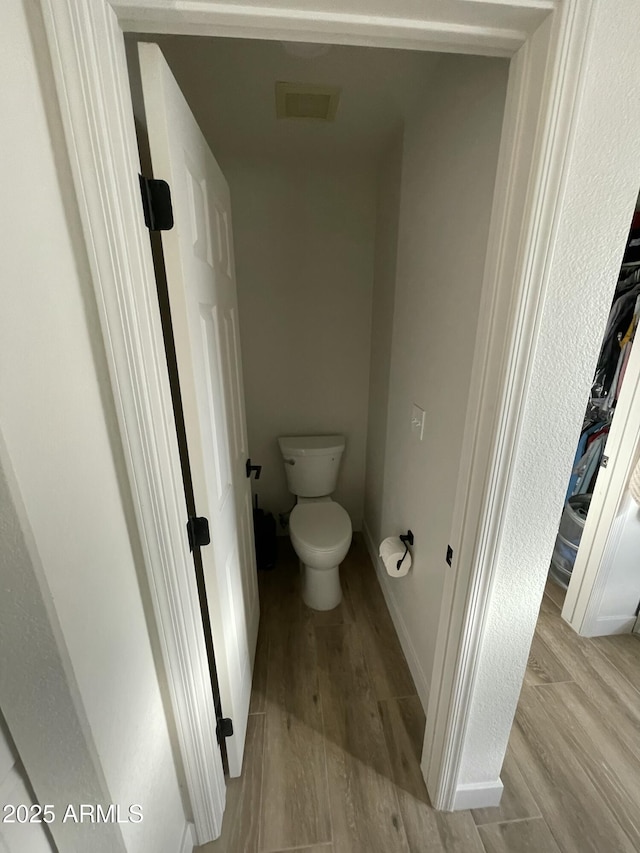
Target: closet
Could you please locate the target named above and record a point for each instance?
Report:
(605, 390)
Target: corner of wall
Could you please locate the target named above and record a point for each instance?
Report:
(410, 653)
(188, 839)
(383, 302)
(478, 795)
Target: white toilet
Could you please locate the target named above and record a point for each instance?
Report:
(320, 528)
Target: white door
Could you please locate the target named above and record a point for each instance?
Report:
(199, 262)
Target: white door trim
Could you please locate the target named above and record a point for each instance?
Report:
(453, 26)
(90, 68)
(501, 375)
(90, 74)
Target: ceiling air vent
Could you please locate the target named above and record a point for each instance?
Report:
(302, 100)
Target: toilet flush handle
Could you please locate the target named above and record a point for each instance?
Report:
(289, 461)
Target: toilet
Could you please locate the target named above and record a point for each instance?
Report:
(320, 529)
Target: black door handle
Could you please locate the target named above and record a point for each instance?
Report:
(253, 468)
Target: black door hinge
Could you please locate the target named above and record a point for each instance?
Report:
(224, 729)
(198, 532)
(156, 204)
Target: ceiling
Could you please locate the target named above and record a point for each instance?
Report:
(230, 86)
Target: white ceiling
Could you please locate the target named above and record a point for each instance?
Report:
(229, 84)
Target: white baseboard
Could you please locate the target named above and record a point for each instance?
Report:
(478, 795)
(188, 839)
(415, 667)
(609, 625)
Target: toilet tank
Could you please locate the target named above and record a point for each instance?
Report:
(311, 463)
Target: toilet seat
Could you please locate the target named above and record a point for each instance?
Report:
(320, 526)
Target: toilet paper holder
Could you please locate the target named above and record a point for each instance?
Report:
(406, 539)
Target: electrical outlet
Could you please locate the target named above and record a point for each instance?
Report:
(417, 421)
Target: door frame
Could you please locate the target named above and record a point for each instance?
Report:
(87, 50)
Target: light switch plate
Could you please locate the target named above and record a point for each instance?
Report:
(417, 421)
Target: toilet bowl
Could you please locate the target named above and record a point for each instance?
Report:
(320, 533)
(320, 529)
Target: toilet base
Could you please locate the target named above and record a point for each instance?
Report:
(321, 587)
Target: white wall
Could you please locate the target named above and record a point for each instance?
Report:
(16, 837)
(58, 422)
(450, 155)
(304, 260)
(598, 191)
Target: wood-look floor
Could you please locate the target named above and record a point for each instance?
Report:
(332, 762)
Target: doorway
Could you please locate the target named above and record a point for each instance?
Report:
(600, 572)
(381, 218)
(522, 211)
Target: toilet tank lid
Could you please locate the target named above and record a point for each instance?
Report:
(311, 445)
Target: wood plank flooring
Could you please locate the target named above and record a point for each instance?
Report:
(332, 762)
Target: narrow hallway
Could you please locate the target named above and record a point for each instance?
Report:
(332, 761)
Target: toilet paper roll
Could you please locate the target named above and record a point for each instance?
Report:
(391, 551)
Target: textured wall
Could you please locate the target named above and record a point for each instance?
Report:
(18, 837)
(304, 259)
(39, 694)
(600, 189)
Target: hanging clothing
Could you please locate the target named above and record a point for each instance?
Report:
(597, 434)
(581, 450)
(588, 466)
(631, 330)
(626, 343)
(622, 324)
(614, 356)
(612, 396)
(620, 319)
(625, 362)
